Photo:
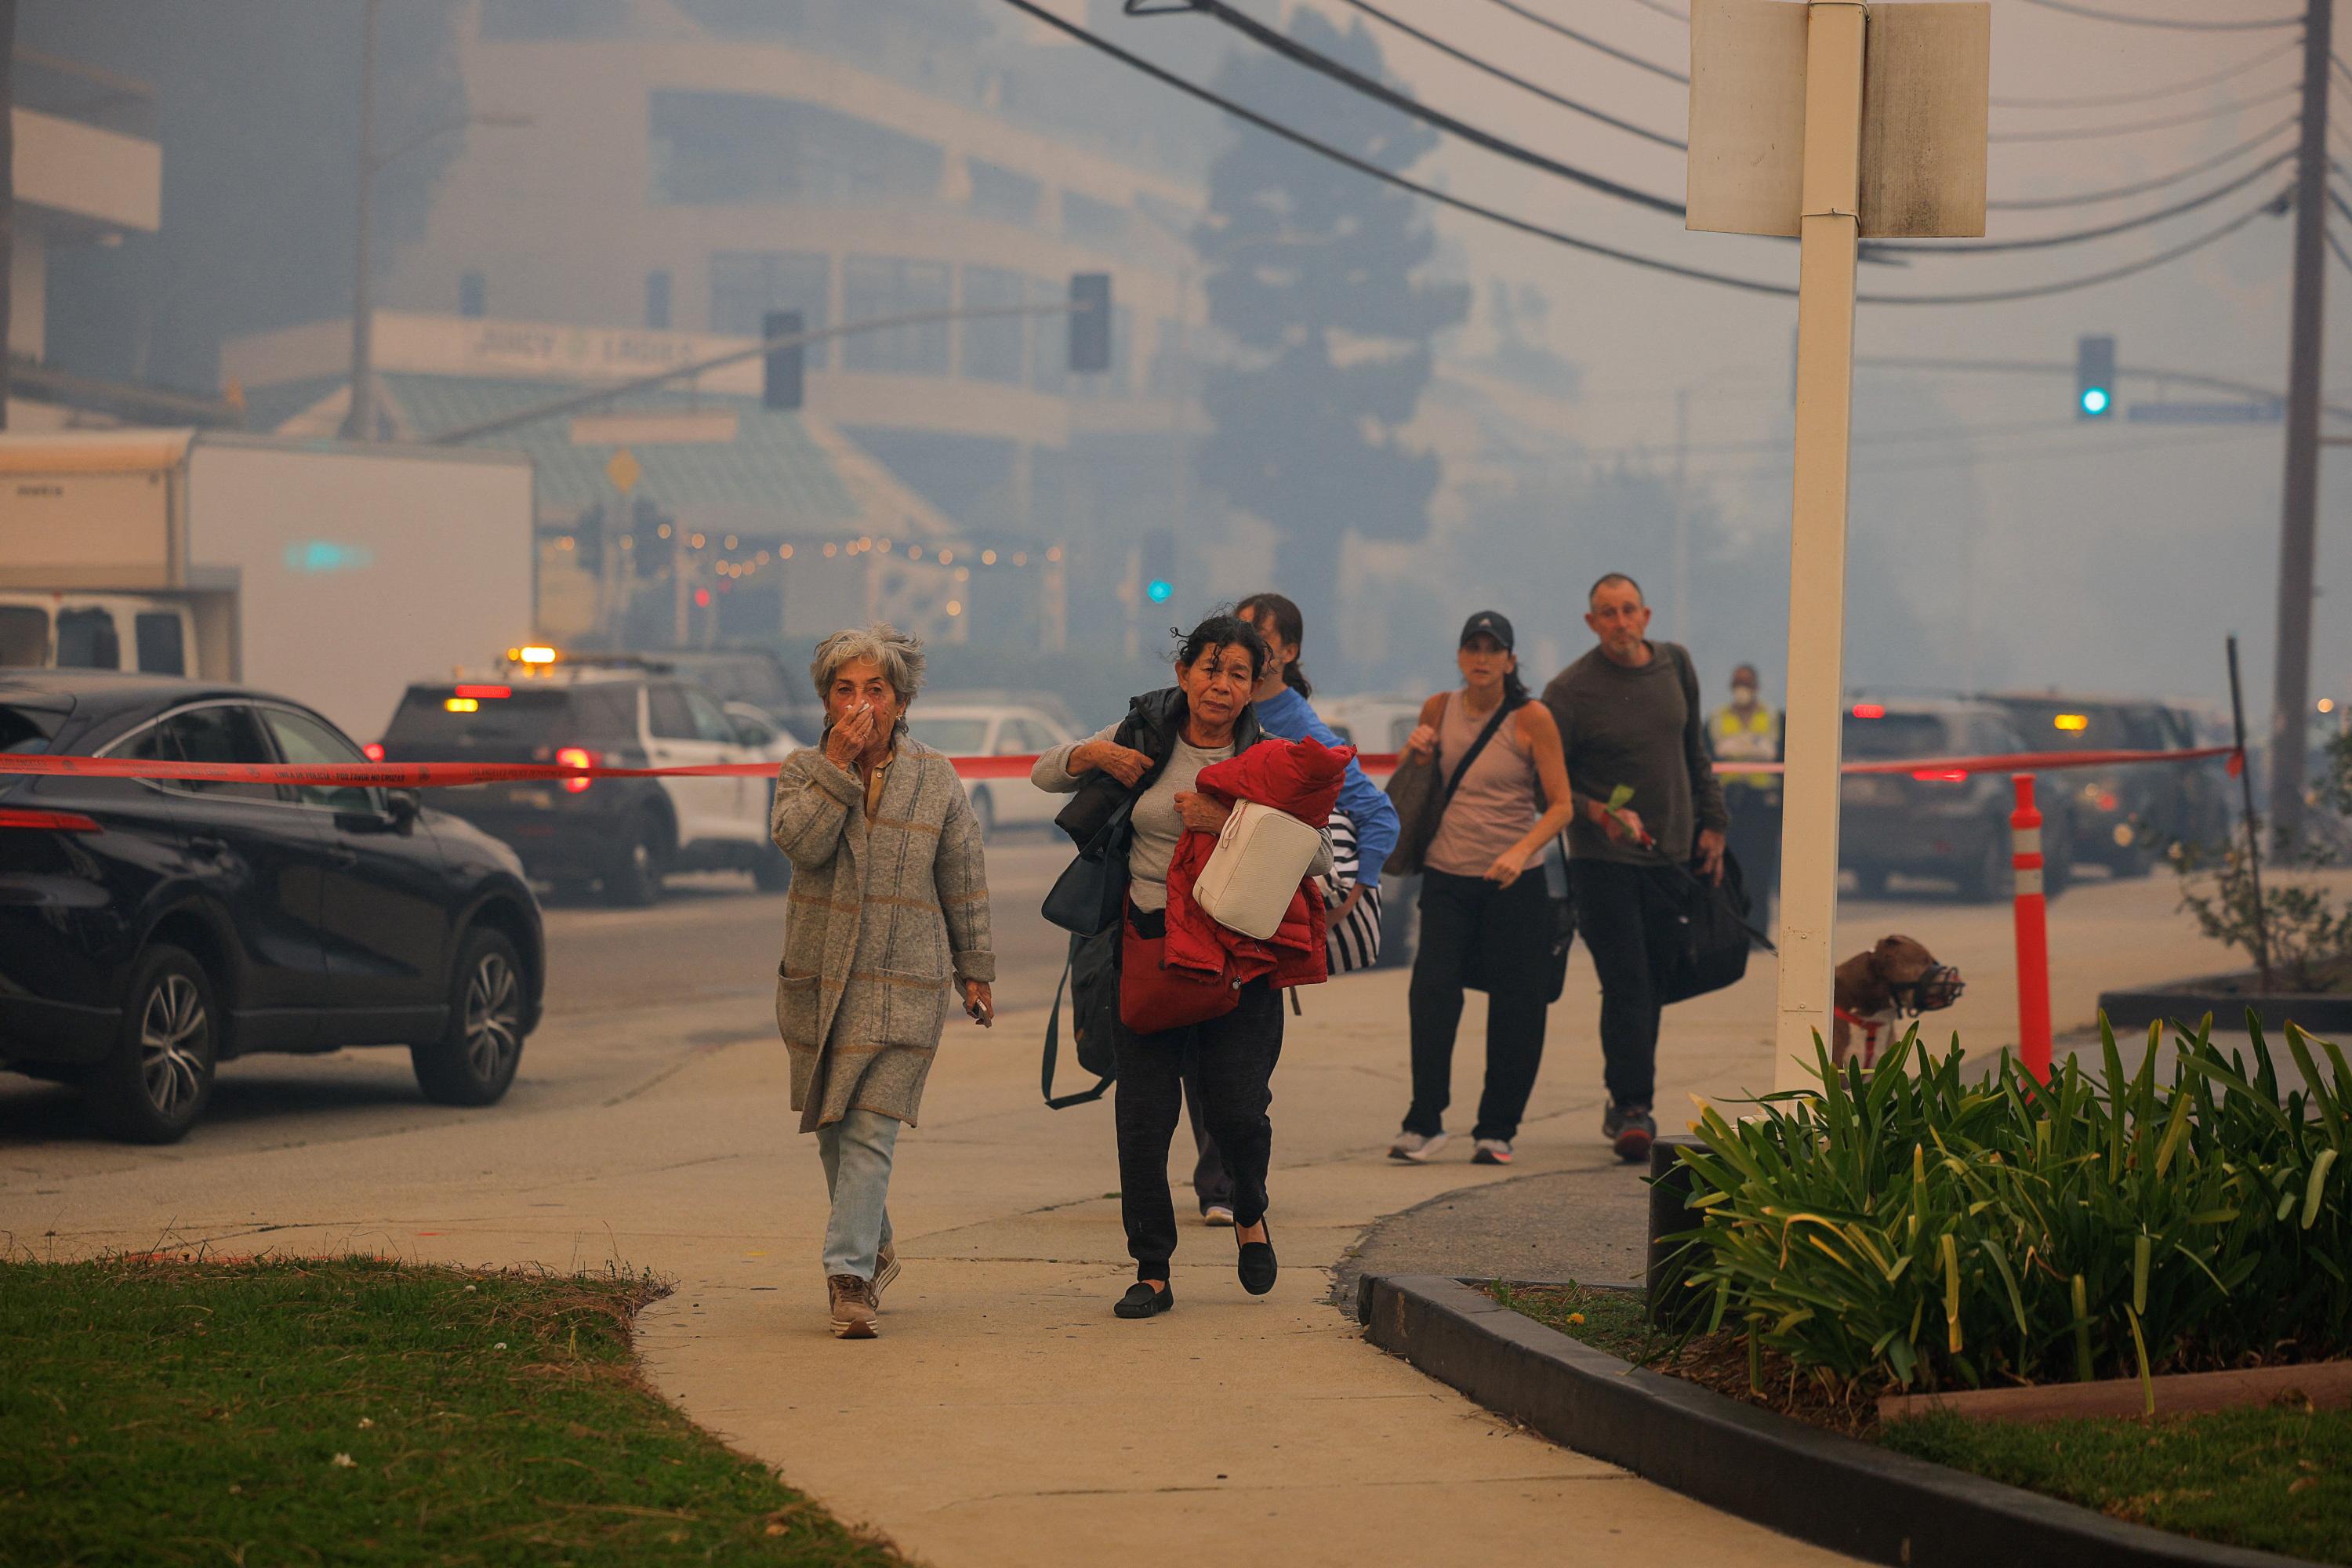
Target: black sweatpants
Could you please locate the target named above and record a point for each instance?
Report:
(1509, 930)
(1233, 1059)
(1621, 912)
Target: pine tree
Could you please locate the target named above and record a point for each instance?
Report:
(1312, 270)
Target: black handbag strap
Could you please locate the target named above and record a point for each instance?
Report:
(1053, 1048)
(1502, 711)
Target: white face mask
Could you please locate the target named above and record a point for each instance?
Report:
(1743, 695)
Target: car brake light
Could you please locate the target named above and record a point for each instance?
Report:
(576, 757)
(373, 750)
(50, 821)
(486, 693)
(1940, 775)
(1869, 711)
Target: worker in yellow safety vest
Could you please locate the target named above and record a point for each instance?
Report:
(1748, 731)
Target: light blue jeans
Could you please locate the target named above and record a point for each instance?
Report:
(856, 1153)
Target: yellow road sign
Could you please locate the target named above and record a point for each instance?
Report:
(623, 469)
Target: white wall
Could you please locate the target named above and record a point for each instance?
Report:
(364, 570)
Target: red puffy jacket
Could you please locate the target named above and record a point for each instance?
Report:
(1302, 778)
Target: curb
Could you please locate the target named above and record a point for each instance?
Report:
(1830, 1490)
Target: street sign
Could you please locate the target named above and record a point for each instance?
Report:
(622, 469)
(2205, 412)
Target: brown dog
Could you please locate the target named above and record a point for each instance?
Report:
(1899, 978)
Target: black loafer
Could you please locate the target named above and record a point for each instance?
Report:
(1255, 1264)
(1142, 1302)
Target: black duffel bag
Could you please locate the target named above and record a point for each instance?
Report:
(1712, 935)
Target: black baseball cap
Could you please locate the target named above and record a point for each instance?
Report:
(1491, 622)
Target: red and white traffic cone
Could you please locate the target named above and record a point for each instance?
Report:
(2032, 933)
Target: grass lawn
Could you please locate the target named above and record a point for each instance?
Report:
(2277, 1478)
(360, 1411)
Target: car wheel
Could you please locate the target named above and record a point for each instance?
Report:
(634, 880)
(475, 1060)
(1992, 878)
(159, 1078)
(771, 870)
(983, 806)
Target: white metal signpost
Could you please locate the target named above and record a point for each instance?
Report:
(1834, 122)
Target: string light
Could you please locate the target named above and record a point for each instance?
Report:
(987, 558)
(1054, 554)
(830, 549)
(955, 606)
(963, 574)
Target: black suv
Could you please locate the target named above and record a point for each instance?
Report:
(150, 931)
(1935, 821)
(618, 711)
(2124, 817)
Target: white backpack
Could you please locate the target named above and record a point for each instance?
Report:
(1260, 859)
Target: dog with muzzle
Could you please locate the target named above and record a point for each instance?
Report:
(1897, 979)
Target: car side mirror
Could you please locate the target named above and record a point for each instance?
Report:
(401, 807)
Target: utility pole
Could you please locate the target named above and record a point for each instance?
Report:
(359, 424)
(2291, 691)
(7, 193)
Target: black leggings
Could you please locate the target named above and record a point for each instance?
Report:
(1509, 933)
(1233, 1059)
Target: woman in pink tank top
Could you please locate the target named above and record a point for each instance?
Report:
(1480, 914)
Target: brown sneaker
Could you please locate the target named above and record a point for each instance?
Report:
(886, 1268)
(853, 1306)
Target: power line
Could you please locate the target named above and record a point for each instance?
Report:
(2337, 246)
(2000, 296)
(1667, 11)
(1348, 76)
(1446, 198)
(2094, 132)
(2086, 198)
(2123, 19)
(2067, 367)
(1612, 50)
(1518, 81)
(2043, 242)
(2117, 100)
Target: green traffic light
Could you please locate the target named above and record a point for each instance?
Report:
(2095, 400)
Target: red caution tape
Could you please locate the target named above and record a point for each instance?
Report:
(432, 775)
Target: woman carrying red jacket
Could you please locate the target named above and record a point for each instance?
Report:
(1153, 760)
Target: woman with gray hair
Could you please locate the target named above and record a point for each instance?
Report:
(889, 896)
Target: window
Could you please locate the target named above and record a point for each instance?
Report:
(23, 637)
(887, 286)
(712, 148)
(222, 732)
(157, 633)
(670, 717)
(998, 193)
(305, 739)
(710, 722)
(745, 285)
(657, 299)
(993, 348)
(1086, 221)
(473, 294)
(86, 641)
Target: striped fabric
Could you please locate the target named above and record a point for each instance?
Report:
(1354, 942)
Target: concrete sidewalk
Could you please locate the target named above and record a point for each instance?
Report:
(1005, 1416)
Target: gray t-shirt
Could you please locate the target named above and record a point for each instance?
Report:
(1156, 822)
(1639, 726)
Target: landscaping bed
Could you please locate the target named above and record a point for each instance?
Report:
(2277, 1478)
(364, 1411)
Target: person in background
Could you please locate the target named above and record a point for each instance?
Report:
(1629, 718)
(889, 898)
(1477, 906)
(1152, 758)
(1748, 731)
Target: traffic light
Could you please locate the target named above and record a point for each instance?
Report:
(1089, 323)
(780, 381)
(649, 541)
(2095, 376)
(1158, 559)
(588, 541)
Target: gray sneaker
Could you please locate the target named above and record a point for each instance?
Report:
(1416, 1148)
(1492, 1151)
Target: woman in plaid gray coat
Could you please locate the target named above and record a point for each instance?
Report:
(889, 898)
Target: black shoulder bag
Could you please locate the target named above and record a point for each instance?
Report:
(1087, 900)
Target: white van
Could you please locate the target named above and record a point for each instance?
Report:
(71, 630)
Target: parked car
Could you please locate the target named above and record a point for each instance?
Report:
(623, 835)
(2124, 817)
(754, 675)
(150, 931)
(1939, 822)
(994, 730)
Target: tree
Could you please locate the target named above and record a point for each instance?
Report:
(1312, 272)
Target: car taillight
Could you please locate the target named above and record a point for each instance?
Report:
(49, 821)
(1940, 775)
(373, 750)
(576, 757)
